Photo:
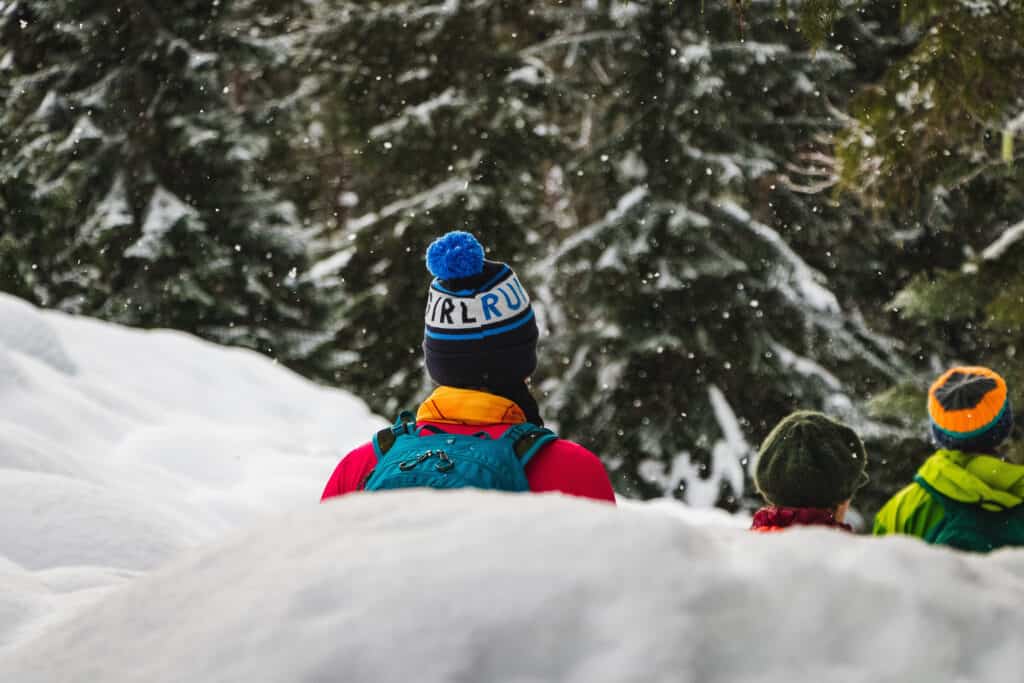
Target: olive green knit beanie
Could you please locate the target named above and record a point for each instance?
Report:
(810, 460)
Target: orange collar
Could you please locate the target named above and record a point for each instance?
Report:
(450, 405)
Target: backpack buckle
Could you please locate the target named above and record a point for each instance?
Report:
(410, 464)
(445, 464)
(405, 424)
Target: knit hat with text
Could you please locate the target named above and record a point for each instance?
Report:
(479, 327)
(970, 410)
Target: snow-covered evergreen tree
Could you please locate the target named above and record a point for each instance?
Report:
(937, 143)
(658, 172)
(446, 118)
(633, 159)
(685, 318)
(135, 143)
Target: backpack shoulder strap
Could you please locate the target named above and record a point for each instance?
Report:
(385, 438)
(527, 440)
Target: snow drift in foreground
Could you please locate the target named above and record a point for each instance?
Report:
(469, 586)
(120, 448)
(131, 462)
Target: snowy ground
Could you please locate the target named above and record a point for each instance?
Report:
(160, 523)
(121, 448)
(429, 586)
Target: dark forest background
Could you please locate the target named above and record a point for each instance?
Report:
(724, 210)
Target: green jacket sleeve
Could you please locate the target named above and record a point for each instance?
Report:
(911, 511)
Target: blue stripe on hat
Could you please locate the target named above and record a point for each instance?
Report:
(470, 292)
(483, 334)
(503, 324)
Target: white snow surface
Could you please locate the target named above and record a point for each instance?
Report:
(729, 452)
(112, 212)
(729, 455)
(470, 586)
(798, 282)
(159, 497)
(424, 201)
(1007, 239)
(420, 113)
(165, 211)
(120, 449)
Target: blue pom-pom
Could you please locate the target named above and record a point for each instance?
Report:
(455, 255)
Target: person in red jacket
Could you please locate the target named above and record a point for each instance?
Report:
(808, 469)
(480, 346)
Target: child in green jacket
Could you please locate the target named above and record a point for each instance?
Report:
(964, 496)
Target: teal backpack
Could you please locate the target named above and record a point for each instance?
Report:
(974, 526)
(429, 457)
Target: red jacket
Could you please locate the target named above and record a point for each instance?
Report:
(561, 466)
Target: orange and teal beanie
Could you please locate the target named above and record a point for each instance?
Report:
(970, 410)
(479, 326)
(810, 461)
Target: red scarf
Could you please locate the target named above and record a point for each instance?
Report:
(779, 518)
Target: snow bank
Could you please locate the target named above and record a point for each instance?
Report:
(463, 586)
(131, 462)
(121, 448)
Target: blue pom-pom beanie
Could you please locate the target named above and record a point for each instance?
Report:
(455, 256)
(479, 326)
